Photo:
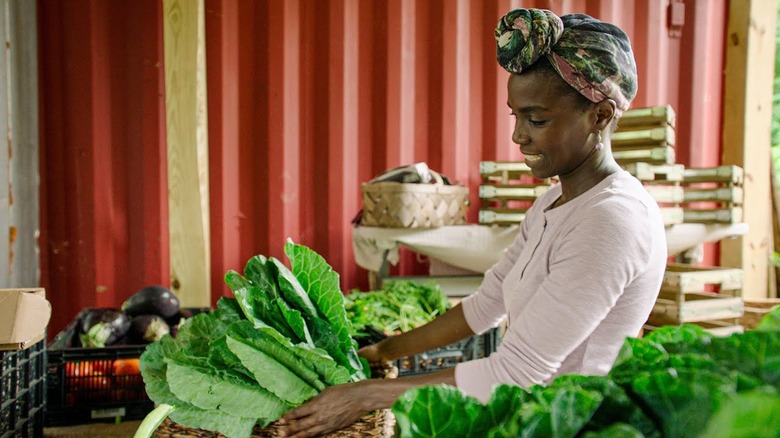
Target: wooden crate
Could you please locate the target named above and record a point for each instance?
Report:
(660, 115)
(707, 296)
(755, 310)
(650, 154)
(683, 279)
(501, 216)
(653, 135)
(507, 191)
(713, 195)
(645, 135)
(664, 173)
(503, 171)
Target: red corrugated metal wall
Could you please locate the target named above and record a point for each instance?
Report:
(307, 99)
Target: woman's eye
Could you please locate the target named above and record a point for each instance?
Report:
(536, 122)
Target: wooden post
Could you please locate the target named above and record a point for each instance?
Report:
(19, 225)
(188, 185)
(747, 115)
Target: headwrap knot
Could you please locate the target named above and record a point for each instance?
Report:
(594, 57)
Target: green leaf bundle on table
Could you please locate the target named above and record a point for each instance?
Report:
(399, 306)
(283, 338)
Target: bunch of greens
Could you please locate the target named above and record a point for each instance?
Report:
(280, 341)
(399, 306)
(674, 382)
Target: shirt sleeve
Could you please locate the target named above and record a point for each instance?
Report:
(485, 308)
(588, 271)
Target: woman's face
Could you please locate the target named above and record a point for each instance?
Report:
(553, 130)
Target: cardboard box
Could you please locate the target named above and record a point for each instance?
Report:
(24, 315)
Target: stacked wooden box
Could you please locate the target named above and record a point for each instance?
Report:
(645, 135)
(507, 191)
(707, 296)
(713, 195)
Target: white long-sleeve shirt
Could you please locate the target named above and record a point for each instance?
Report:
(576, 282)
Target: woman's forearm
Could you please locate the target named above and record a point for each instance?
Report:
(381, 393)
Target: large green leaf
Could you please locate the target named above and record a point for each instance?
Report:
(681, 401)
(746, 415)
(153, 370)
(770, 322)
(754, 353)
(439, 411)
(617, 406)
(291, 290)
(264, 307)
(617, 430)
(207, 389)
(319, 281)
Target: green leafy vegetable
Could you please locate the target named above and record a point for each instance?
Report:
(674, 382)
(399, 306)
(269, 349)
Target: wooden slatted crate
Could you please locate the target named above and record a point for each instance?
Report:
(713, 195)
(645, 135)
(647, 172)
(660, 115)
(707, 296)
(508, 190)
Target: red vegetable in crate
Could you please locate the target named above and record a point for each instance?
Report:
(125, 367)
(152, 300)
(102, 326)
(147, 328)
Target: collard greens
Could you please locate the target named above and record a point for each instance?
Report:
(280, 341)
(674, 382)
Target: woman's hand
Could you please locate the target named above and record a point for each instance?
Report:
(334, 408)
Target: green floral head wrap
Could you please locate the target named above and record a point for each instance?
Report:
(594, 57)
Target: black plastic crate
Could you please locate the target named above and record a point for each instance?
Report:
(475, 347)
(84, 387)
(23, 391)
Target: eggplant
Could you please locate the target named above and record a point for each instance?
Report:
(100, 327)
(145, 329)
(152, 300)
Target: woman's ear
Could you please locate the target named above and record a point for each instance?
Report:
(605, 112)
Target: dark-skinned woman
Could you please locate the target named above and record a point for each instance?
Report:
(587, 265)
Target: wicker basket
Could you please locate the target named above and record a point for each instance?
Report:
(375, 424)
(402, 205)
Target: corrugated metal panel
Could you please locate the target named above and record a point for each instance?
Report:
(307, 99)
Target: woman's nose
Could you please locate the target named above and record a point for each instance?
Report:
(520, 138)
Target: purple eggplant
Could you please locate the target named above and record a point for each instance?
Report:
(99, 327)
(152, 300)
(145, 329)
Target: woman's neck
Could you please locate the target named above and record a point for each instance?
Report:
(587, 176)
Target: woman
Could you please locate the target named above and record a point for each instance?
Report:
(588, 262)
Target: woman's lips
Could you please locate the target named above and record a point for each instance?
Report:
(530, 159)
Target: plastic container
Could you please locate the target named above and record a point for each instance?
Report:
(23, 391)
(475, 347)
(84, 386)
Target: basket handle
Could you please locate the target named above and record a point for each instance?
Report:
(437, 179)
